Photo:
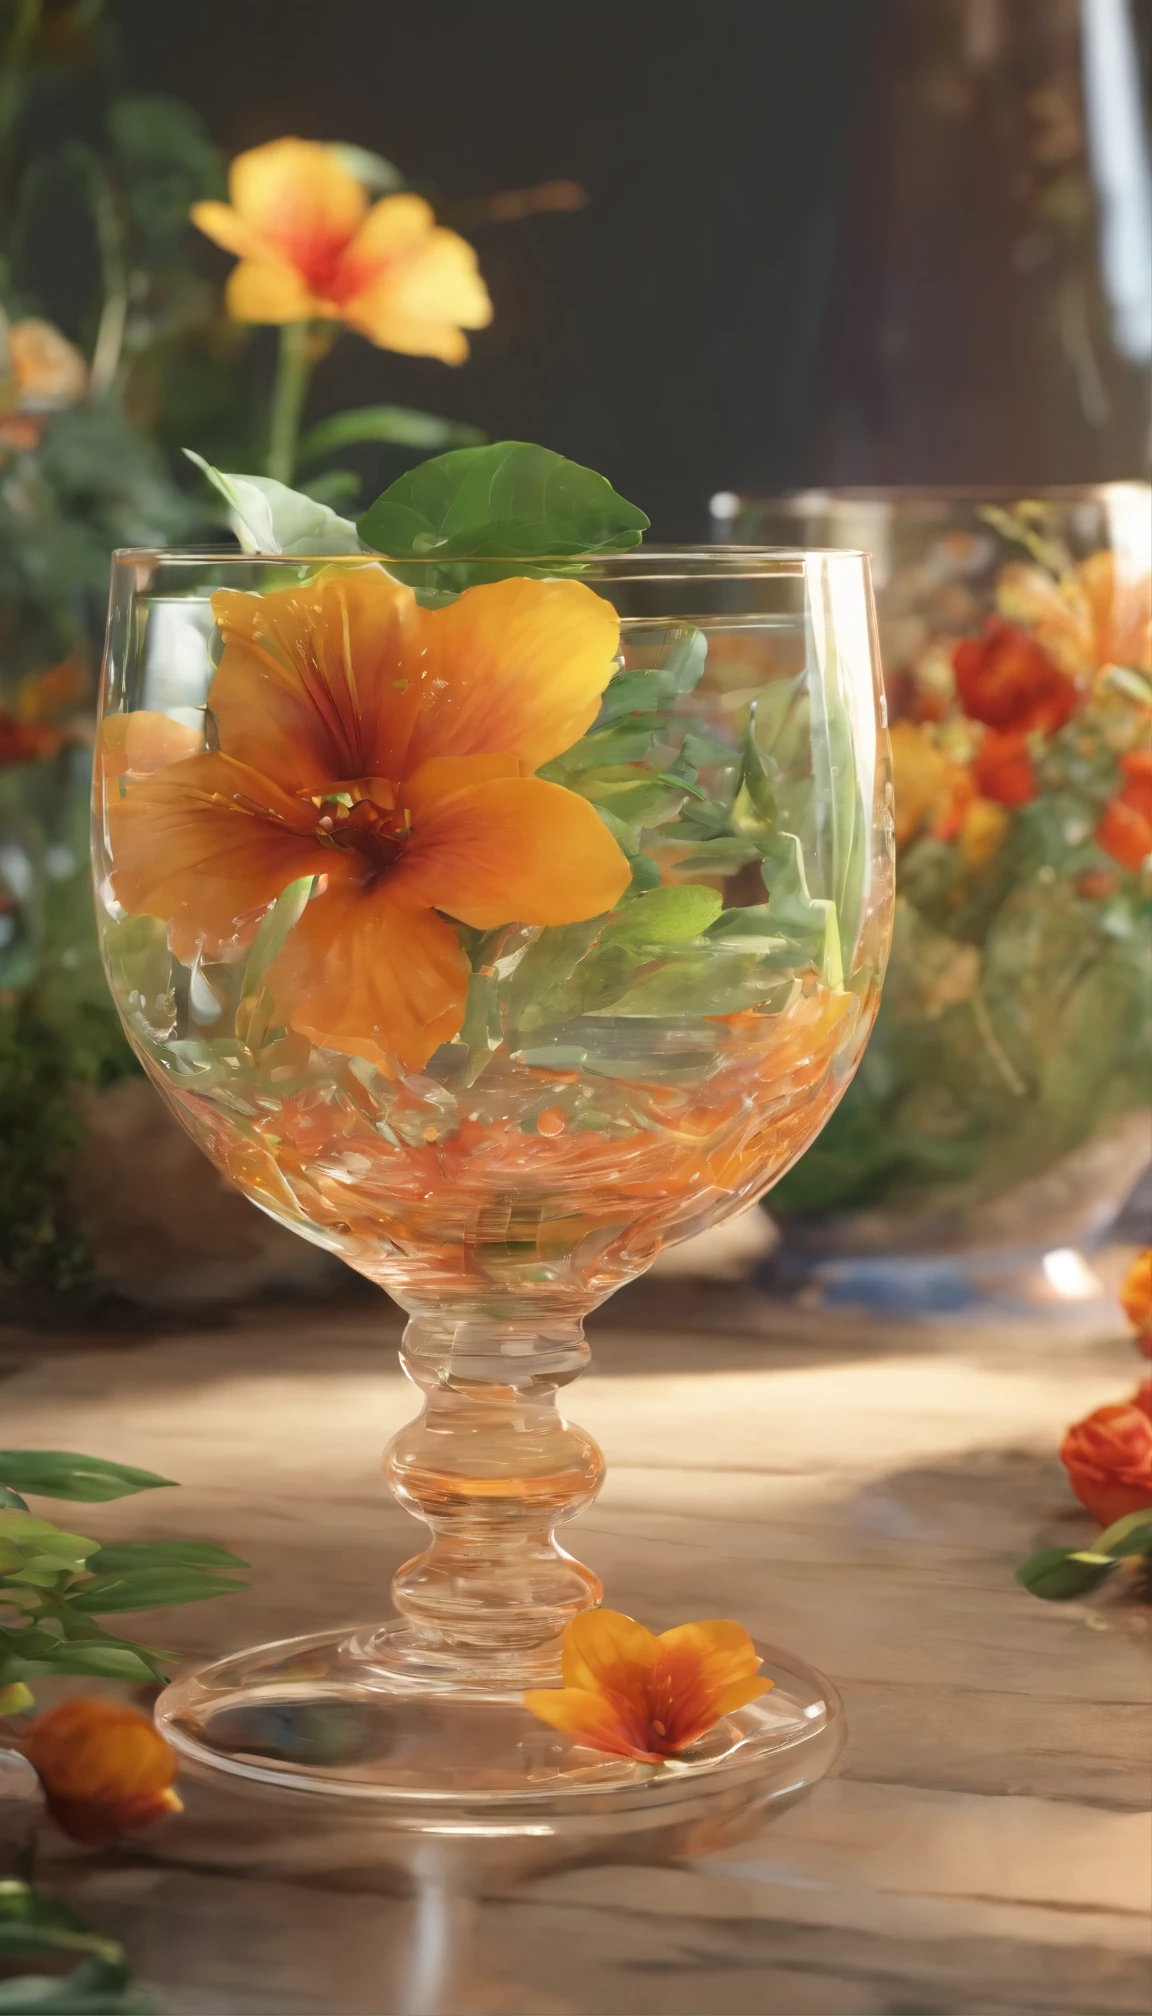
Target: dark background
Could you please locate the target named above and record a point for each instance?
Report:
(801, 257)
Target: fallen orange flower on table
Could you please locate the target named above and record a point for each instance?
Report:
(634, 1694)
(1136, 1299)
(388, 750)
(312, 249)
(105, 1769)
(1108, 1457)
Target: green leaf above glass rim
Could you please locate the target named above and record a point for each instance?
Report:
(510, 500)
(268, 517)
(402, 425)
(1056, 1576)
(97, 1661)
(60, 1473)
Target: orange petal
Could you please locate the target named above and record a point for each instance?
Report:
(207, 844)
(367, 972)
(511, 850)
(226, 227)
(605, 1650)
(144, 741)
(705, 1670)
(267, 290)
(596, 1719)
(298, 202)
(516, 666)
(314, 685)
(412, 286)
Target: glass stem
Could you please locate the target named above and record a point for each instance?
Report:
(492, 1466)
(289, 391)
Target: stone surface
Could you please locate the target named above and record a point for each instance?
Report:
(860, 1494)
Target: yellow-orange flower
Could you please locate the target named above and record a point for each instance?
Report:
(929, 788)
(388, 750)
(634, 1694)
(1096, 615)
(44, 369)
(983, 831)
(1136, 1299)
(106, 1770)
(311, 248)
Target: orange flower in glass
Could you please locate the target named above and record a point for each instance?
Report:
(387, 750)
(637, 1695)
(312, 248)
(1136, 1299)
(105, 1769)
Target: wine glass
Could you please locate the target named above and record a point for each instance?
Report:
(493, 937)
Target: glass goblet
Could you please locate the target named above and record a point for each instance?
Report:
(493, 937)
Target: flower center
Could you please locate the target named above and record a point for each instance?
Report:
(352, 818)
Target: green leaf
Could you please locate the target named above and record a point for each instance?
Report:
(651, 689)
(755, 813)
(1056, 1576)
(32, 1921)
(163, 1553)
(510, 500)
(267, 517)
(273, 929)
(698, 983)
(1130, 1535)
(754, 929)
(31, 1538)
(12, 1498)
(60, 1473)
(104, 1662)
(148, 1589)
(95, 1988)
(664, 917)
(402, 425)
(810, 921)
(379, 176)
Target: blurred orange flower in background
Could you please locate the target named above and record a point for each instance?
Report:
(1108, 1457)
(1136, 1299)
(311, 248)
(40, 371)
(634, 1694)
(105, 1769)
(1003, 769)
(1125, 831)
(929, 788)
(1097, 614)
(1006, 681)
(387, 749)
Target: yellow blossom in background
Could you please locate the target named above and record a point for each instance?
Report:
(43, 369)
(312, 248)
(930, 789)
(983, 829)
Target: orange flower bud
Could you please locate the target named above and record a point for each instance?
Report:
(106, 1770)
(1136, 1299)
(1125, 832)
(1108, 1457)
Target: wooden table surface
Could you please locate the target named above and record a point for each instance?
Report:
(857, 1492)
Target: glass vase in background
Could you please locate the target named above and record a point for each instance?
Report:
(493, 933)
(1004, 1110)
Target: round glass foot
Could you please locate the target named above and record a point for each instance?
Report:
(340, 1716)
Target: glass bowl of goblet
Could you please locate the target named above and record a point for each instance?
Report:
(493, 928)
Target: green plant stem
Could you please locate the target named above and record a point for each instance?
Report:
(293, 371)
(13, 68)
